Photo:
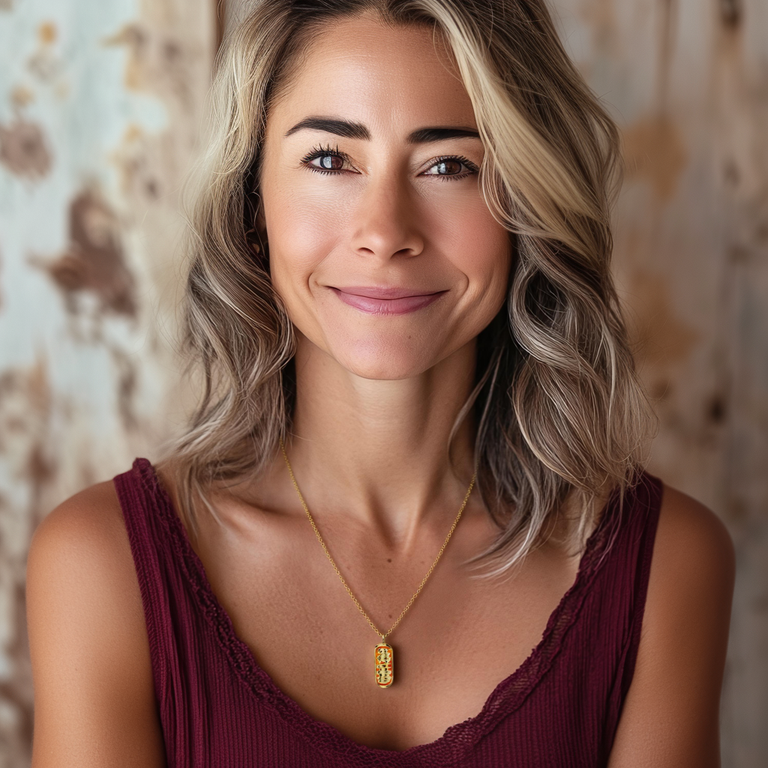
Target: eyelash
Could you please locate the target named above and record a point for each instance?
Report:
(320, 151)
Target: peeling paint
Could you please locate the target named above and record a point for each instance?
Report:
(23, 149)
(87, 373)
(688, 84)
(94, 261)
(157, 62)
(133, 37)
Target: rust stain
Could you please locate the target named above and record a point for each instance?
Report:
(39, 469)
(94, 261)
(135, 39)
(132, 133)
(21, 96)
(25, 405)
(47, 33)
(135, 162)
(23, 149)
(654, 151)
(157, 61)
(38, 388)
(660, 337)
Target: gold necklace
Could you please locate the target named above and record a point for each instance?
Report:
(383, 653)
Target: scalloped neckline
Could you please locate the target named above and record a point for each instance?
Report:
(458, 739)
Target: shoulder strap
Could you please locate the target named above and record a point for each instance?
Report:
(638, 553)
(613, 625)
(156, 562)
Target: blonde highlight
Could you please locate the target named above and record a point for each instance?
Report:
(560, 411)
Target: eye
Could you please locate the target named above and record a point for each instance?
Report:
(328, 162)
(325, 160)
(451, 168)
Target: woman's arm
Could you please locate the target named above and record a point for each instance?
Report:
(670, 717)
(94, 695)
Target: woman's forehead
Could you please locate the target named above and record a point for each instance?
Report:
(369, 71)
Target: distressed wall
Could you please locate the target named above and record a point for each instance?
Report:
(99, 100)
(687, 80)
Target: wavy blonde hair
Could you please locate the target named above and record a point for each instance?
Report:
(559, 410)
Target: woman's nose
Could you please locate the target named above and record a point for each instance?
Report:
(386, 221)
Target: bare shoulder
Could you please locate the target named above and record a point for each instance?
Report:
(670, 716)
(91, 516)
(81, 551)
(94, 694)
(692, 542)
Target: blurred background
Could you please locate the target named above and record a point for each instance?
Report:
(100, 108)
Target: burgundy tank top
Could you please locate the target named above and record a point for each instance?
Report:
(218, 708)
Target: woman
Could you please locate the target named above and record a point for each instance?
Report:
(420, 417)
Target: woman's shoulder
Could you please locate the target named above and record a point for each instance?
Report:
(692, 568)
(89, 517)
(84, 538)
(692, 542)
(81, 551)
(681, 656)
(88, 642)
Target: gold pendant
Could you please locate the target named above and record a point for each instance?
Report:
(384, 672)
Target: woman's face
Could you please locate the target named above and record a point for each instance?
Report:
(380, 243)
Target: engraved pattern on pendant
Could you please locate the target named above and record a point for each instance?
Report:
(384, 671)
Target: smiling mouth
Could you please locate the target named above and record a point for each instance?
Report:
(385, 300)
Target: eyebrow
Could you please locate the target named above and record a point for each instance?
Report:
(350, 130)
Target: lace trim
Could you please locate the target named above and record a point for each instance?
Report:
(458, 739)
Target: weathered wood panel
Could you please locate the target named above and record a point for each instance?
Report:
(688, 82)
(99, 100)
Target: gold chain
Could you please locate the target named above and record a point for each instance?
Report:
(360, 608)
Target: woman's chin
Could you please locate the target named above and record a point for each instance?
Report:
(384, 362)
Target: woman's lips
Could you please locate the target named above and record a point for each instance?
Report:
(385, 301)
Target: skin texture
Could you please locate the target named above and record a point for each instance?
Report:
(376, 398)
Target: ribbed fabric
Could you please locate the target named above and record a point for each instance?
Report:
(559, 709)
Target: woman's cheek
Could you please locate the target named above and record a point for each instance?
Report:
(303, 231)
(302, 234)
(477, 245)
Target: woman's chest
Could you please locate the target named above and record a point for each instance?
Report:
(458, 640)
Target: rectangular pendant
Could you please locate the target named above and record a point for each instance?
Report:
(384, 671)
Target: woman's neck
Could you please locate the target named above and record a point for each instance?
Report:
(376, 449)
